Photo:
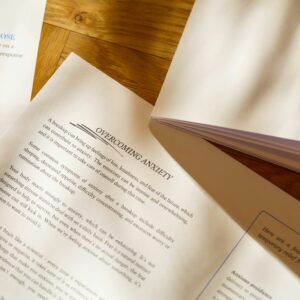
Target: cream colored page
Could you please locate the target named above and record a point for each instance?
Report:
(267, 254)
(237, 66)
(92, 207)
(274, 262)
(20, 27)
(277, 157)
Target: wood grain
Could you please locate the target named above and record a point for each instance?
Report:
(152, 26)
(133, 69)
(51, 45)
(133, 42)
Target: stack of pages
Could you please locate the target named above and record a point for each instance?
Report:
(98, 202)
(234, 79)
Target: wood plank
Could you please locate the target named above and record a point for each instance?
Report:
(151, 26)
(53, 40)
(140, 72)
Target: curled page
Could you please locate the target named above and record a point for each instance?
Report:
(235, 76)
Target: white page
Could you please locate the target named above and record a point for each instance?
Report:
(20, 28)
(237, 66)
(75, 218)
(277, 238)
(260, 264)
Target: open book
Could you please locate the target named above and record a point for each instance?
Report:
(20, 28)
(93, 207)
(234, 79)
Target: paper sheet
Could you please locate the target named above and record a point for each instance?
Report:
(93, 207)
(237, 67)
(20, 27)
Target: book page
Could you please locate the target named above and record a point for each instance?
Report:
(237, 66)
(20, 28)
(267, 253)
(239, 280)
(282, 158)
(93, 207)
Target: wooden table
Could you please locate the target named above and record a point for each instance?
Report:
(132, 41)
